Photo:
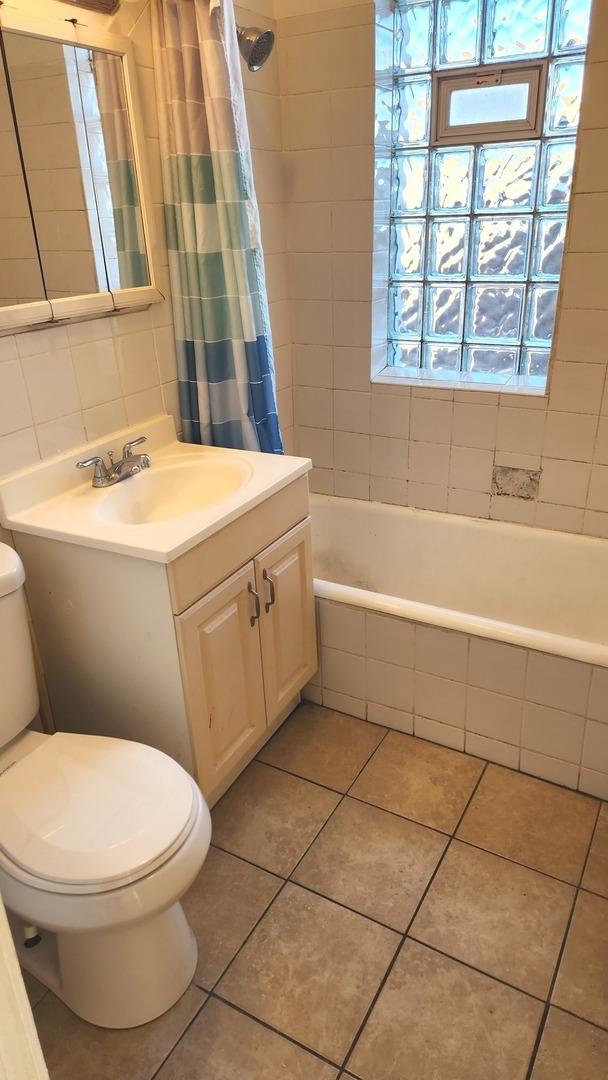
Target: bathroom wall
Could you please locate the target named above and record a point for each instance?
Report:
(429, 448)
(61, 386)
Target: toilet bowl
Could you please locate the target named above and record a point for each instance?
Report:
(99, 840)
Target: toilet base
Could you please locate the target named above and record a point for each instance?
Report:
(119, 977)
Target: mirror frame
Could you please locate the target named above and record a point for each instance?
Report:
(19, 317)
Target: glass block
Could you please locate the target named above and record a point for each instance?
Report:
(444, 312)
(516, 28)
(506, 176)
(452, 176)
(485, 360)
(458, 33)
(557, 164)
(404, 354)
(410, 173)
(384, 52)
(500, 247)
(494, 313)
(405, 311)
(382, 180)
(414, 35)
(448, 248)
(564, 96)
(442, 358)
(549, 236)
(535, 362)
(540, 314)
(407, 249)
(412, 110)
(571, 28)
(383, 117)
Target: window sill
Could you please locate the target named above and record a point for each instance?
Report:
(530, 385)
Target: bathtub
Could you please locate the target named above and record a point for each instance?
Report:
(483, 636)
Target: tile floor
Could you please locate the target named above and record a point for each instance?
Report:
(375, 906)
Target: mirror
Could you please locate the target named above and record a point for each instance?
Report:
(71, 183)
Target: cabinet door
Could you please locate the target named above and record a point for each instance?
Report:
(287, 624)
(219, 646)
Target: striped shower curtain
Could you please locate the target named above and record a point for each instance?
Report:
(224, 349)
(122, 181)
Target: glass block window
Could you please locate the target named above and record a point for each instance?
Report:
(477, 227)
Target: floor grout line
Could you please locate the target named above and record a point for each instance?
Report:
(407, 929)
(184, 1032)
(577, 891)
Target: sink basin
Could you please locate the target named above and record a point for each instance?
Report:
(172, 490)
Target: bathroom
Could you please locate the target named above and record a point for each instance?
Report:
(344, 708)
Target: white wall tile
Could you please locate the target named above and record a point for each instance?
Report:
(471, 469)
(594, 783)
(548, 768)
(342, 627)
(553, 732)
(501, 753)
(343, 672)
(439, 699)
(389, 684)
(595, 746)
(391, 718)
(496, 716)
(344, 703)
(444, 734)
(441, 652)
(496, 666)
(390, 639)
(597, 707)
(15, 410)
(558, 682)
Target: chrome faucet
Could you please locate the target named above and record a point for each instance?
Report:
(129, 465)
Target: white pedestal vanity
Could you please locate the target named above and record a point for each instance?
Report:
(175, 608)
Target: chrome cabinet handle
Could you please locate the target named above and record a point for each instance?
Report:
(271, 589)
(254, 618)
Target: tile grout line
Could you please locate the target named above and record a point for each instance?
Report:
(184, 1032)
(577, 891)
(401, 944)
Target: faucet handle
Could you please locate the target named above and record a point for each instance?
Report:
(101, 471)
(127, 448)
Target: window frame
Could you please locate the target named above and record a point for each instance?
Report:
(444, 83)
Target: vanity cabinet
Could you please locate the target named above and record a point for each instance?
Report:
(246, 650)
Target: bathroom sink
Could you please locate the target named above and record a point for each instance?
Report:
(188, 493)
(171, 491)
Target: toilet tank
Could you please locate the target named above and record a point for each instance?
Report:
(18, 689)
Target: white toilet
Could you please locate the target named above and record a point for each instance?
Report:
(99, 840)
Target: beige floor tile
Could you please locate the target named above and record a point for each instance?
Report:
(74, 1049)
(595, 877)
(438, 1020)
(531, 822)
(223, 1044)
(222, 906)
(270, 817)
(311, 969)
(327, 747)
(570, 1049)
(504, 919)
(582, 981)
(419, 780)
(35, 990)
(377, 863)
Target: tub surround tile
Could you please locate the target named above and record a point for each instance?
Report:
(549, 768)
(597, 707)
(553, 732)
(440, 699)
(222, 907)
(492, 749)
(343, 672)
(390, 684)
(441, 652)
(390, 718)
(531, 822)
(501, 918)
(595, 877)
(270, 817)
(323, 746)
(389, 639)
(224, 1044)
(465, 1026)
(570, 1049)
(344, 704)
(436, 732)
(494, 715)
(413, 778)
(560, 683)
(594, 783)
(311, 969)
(581, 986)
(498, 667)
(342, 627)
(372, 861)
(72, 1048)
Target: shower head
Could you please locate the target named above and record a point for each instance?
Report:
(255, 45)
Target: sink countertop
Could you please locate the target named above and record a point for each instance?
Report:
(51, 499)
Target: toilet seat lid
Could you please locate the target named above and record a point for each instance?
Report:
(84, 809)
